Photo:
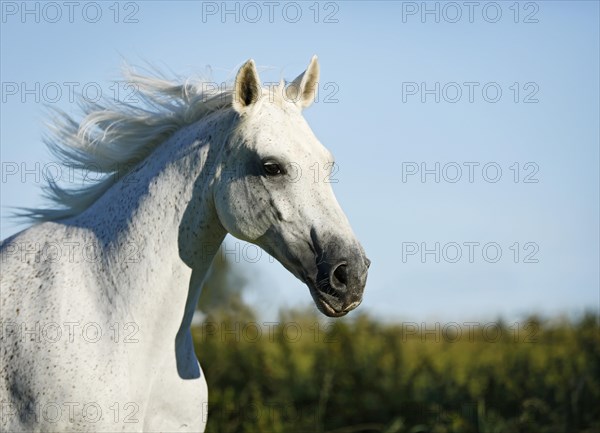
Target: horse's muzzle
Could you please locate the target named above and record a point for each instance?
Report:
(340, 286)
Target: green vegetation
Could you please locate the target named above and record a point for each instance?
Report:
(364, 376)
(357, 374)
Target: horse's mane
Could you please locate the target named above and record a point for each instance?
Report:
(114, 136)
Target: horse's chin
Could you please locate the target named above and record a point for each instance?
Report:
(325, 306)
(327, 309)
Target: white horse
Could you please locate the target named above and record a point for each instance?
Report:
(98, 297)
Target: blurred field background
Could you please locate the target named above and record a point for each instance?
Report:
(302, 373)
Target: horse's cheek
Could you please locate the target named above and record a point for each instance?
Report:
(235, 213)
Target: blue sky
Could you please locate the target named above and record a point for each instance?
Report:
(383, 64)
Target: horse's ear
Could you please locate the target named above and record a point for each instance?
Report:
(304, 88)
(247, 88)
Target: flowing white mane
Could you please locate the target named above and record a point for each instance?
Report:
(114, 136)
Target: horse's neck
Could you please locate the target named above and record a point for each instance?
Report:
(160, 231)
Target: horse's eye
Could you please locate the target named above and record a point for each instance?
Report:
(272, 169)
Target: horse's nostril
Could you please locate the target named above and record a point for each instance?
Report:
(340, 274)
